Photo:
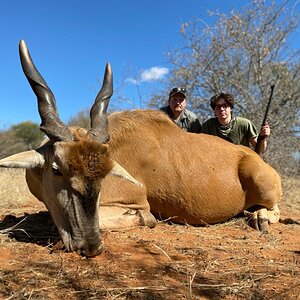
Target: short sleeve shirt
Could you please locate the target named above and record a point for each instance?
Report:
(238, 132)
(187, 120)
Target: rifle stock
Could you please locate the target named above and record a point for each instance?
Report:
(259, 148)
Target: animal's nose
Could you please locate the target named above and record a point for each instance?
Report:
(92, 250)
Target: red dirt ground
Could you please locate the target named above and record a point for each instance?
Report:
(225, 261)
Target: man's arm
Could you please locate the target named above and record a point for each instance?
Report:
(265, 133)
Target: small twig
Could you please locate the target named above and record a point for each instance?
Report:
(279, 296)
(16, 294)
(265, 276)
(164, 252)
(190, 282)
(166, 220)
(22, 230)
(208, 286)
(127, 289)
(3, 231)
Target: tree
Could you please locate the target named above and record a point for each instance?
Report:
(243, 54)
(10, 144)
(29, 133)
(81, 119)
(20, 137)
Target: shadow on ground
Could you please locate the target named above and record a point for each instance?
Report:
(37, 228)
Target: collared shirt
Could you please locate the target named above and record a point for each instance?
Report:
(187, 120)
(238, 132)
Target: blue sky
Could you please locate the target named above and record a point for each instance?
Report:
(71, 41)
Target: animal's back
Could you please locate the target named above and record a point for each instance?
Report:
(192, 176)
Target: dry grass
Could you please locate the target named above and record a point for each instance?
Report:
(291, 192)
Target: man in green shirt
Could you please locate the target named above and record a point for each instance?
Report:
(237, 130)
(177, 111)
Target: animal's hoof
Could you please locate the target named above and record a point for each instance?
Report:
(254, 224)
(147, 219)
(264, 225)
(253, 220)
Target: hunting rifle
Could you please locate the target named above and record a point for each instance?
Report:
(260, 139)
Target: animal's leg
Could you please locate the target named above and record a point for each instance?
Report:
(261, 218)
(117, 218)
(262, 187)
(274, 214)
(124, 205)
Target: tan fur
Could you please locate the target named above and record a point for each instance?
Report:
(195, 177)
(84, 161)
(88, 159)
(148, 163)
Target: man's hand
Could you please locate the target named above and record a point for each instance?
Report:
(265, 131)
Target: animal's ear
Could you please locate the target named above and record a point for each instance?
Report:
(119, 171)
(27, 159)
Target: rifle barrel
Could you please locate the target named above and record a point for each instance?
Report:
(259, 145)
(268, 106)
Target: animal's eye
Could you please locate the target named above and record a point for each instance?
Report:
(55, 170)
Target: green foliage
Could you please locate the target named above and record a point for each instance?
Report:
(20, 137)
(29, 133)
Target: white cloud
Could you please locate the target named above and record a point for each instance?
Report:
(131, 80)
(152, 74)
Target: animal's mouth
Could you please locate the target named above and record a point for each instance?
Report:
(87, 244)
(88, 249)
(91, 251)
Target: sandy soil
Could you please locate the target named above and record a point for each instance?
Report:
(225, 261)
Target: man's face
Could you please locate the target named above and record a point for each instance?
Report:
(222, 110)
(177, 103)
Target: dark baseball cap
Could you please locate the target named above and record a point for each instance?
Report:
(177, 90)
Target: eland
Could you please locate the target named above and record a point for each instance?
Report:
(135, 166)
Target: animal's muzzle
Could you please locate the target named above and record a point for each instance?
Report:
(91, 250)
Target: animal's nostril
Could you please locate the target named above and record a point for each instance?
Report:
(91, 251)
